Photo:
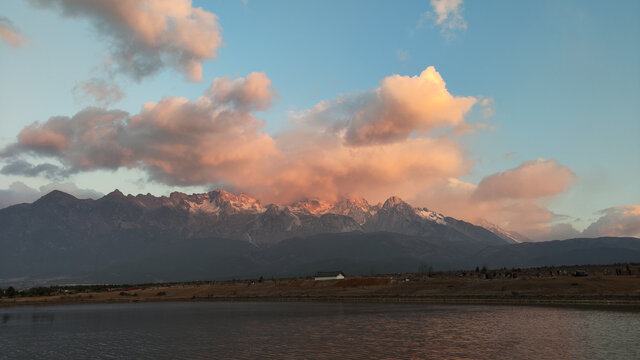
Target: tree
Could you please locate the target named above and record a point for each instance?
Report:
(10, 292)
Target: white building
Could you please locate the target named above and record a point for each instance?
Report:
(329, 275)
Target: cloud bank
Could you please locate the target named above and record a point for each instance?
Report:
(214, 139)
(146, 35)
(217, 139)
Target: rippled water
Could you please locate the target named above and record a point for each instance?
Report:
(316, 331)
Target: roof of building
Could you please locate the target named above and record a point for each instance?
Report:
(328, 273)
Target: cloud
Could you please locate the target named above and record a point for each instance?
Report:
(97, 90)
(251, 93)
(376, 143)
(10, 34)
(402, 55)
(511, 199)
(19, 193)
(312, 165)
(217, 139)
(147, 36)
(399, 107)
(448, 16)
(488, 107)
(24, 168)
(531, 180)
(179, 142)
(616, 221)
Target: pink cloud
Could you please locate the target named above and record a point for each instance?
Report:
(531, 180)
(316, 166)
(149, 35)
(510, 199)
(210, 140)
(398, 108)
(10, 34)
(252, 93)
(217, 139)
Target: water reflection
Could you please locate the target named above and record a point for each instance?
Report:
(316, 330)
(43, 317)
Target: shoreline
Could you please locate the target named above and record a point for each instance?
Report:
(612, 302)
(631, 303)
(531, 287)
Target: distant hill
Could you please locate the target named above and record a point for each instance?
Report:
(603, 250)
(219, 235)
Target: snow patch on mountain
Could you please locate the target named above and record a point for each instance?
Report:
(510, 236)
(430, 215)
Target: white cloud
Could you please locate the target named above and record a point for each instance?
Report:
(616, 221)
(447, 15)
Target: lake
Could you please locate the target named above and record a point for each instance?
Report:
(245, 330)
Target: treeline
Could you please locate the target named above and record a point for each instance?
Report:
(57, 290)
(11, 292)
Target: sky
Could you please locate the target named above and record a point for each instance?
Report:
(525, 114)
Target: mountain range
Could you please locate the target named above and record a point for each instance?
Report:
(220, 235)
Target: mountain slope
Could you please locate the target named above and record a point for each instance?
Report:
(218, 234)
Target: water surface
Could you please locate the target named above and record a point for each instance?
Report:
(316, 331)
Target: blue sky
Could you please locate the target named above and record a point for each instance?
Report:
(563, 78)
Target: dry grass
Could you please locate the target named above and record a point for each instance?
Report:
(529, 287)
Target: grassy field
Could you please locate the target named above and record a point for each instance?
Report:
(555, 285)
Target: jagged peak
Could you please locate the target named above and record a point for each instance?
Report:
(229, 196)
(219, 192)
(224, 201)
(177, 195)
(312, 206)
(355, 200)
(393, 201)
